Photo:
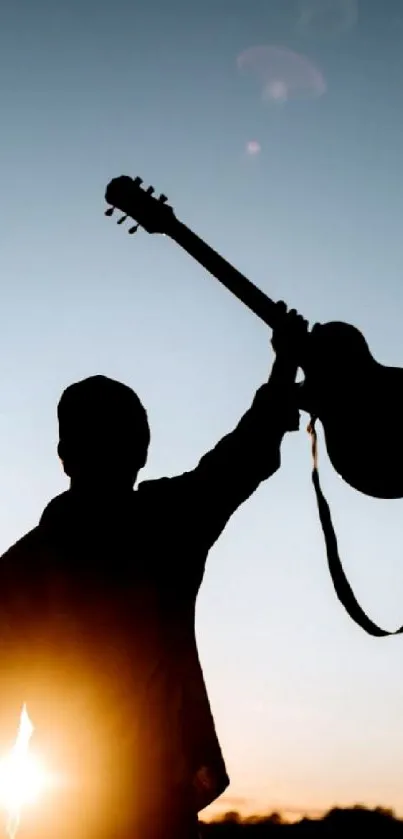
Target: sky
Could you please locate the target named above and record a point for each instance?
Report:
(299, 184)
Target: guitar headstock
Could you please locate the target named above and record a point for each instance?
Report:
(135, 202)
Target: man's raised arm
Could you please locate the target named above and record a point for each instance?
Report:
(228, 474)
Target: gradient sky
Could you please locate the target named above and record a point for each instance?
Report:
(308, 708)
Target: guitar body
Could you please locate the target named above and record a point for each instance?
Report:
(358, 402)
(356, 399)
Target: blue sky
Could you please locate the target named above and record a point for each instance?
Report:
(307, 707)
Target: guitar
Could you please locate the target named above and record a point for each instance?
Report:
(356, 399)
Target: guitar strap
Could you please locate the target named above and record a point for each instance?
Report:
(342, 587)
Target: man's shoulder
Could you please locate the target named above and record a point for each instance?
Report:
(20, 563)
(25, 546)
(153, 485)
(165, 498)
(163, 487)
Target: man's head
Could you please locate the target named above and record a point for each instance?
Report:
(103, 433)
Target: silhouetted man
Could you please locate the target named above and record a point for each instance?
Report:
(98, 612)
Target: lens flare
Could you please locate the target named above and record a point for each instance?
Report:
(253, 148)
(327, 18)
(282, 75)
(22, 776)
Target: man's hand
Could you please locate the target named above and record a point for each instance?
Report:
(288, 342)
(289, 336)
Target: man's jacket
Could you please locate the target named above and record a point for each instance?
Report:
(97, 620)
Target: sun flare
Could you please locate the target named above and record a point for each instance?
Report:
(22, 776)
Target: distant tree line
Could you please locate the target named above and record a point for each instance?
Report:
(355, 821)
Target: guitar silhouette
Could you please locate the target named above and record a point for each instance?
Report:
(356, 399)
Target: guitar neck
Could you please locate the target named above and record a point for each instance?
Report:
(233, 280)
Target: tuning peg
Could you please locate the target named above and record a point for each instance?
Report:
(138, 181)
(109, 211)
(133, 229)
(163, 198)
(150, 190)
(121, 220)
